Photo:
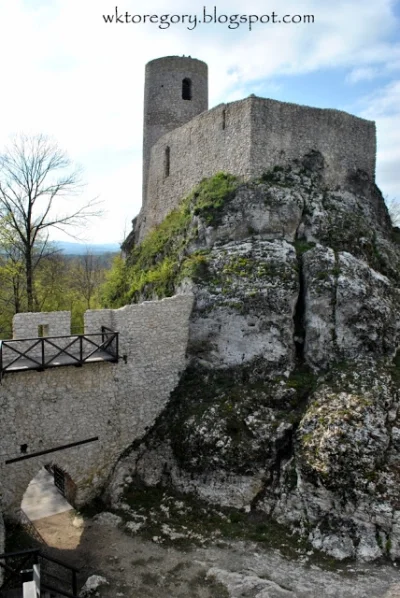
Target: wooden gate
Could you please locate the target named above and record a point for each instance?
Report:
(64, 483)
(59, 479)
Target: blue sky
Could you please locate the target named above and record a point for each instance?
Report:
(69, 75)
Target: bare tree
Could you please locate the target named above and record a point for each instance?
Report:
(34, 173)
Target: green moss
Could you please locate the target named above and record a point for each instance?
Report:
(303, 380)
(210, 197)
(303, 246)
(202, 522)
(195, 267)
(159, 263)
(277, 176)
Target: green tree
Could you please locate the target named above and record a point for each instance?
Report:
(34, 174)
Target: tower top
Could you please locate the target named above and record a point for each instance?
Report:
(176, 90)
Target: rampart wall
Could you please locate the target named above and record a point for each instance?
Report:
(26, 325)
(248, 138)
(116, 402)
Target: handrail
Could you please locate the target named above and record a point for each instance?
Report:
(32, 530)
(108, 344)
(38, 552)
(35, 338)
(58, 562)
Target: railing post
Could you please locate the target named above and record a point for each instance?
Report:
(43, 359)
(81, 349)
(117, 345)
(1, 360)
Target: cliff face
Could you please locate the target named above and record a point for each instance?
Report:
(289, 405)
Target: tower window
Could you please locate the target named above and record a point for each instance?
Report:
(223, 118)
(167, 161)
(186, 89)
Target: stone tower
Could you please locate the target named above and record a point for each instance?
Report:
(176, 90)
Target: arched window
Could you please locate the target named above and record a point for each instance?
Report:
(167, 161)
(186, 89)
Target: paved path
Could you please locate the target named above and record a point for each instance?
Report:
(42, 499)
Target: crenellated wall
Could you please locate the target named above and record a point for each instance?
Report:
(247, 138)
(26, 325)
(116, 402)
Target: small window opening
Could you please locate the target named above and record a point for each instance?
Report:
(23, 448)
(43, 330)
(186, 89)
(167, 161)
(223, 118)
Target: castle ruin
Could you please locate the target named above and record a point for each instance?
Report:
(184, 142)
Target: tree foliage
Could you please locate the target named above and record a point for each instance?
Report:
(34, 175)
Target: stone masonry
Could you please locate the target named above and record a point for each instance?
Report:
(116, 402)
(184, 142)
(26, 325)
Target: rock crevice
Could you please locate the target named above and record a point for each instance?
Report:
(289, 404)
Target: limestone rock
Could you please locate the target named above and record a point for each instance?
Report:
(289, 404)
(92, 584)
(248, 585)
(107, 518)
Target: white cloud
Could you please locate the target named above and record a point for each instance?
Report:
(383, 106)
(71, 75)
(363, 74)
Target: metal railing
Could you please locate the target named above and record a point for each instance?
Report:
(30, 529)
(110, 339)
(15, 565)
(53, 351)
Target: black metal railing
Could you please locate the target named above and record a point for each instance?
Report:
(53, 351)
(31, 530)
(110, 338)
(55, 575)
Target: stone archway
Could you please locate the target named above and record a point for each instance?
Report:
(43, 497)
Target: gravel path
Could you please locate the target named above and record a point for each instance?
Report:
(142, 568)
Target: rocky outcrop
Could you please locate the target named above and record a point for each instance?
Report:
(289, 404)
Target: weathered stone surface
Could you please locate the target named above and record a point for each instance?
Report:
(116, 402)
(351, 310)
(244, 311)
(297, 279)
(248, 585)
(92, 584)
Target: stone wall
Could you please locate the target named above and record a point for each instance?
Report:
(116, 402)
(248, 138)
(164, 107)
(2, 544)
(26, 325)
(213, 141)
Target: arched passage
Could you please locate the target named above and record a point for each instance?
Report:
(50, 491)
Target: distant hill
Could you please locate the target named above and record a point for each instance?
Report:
(81, 248)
